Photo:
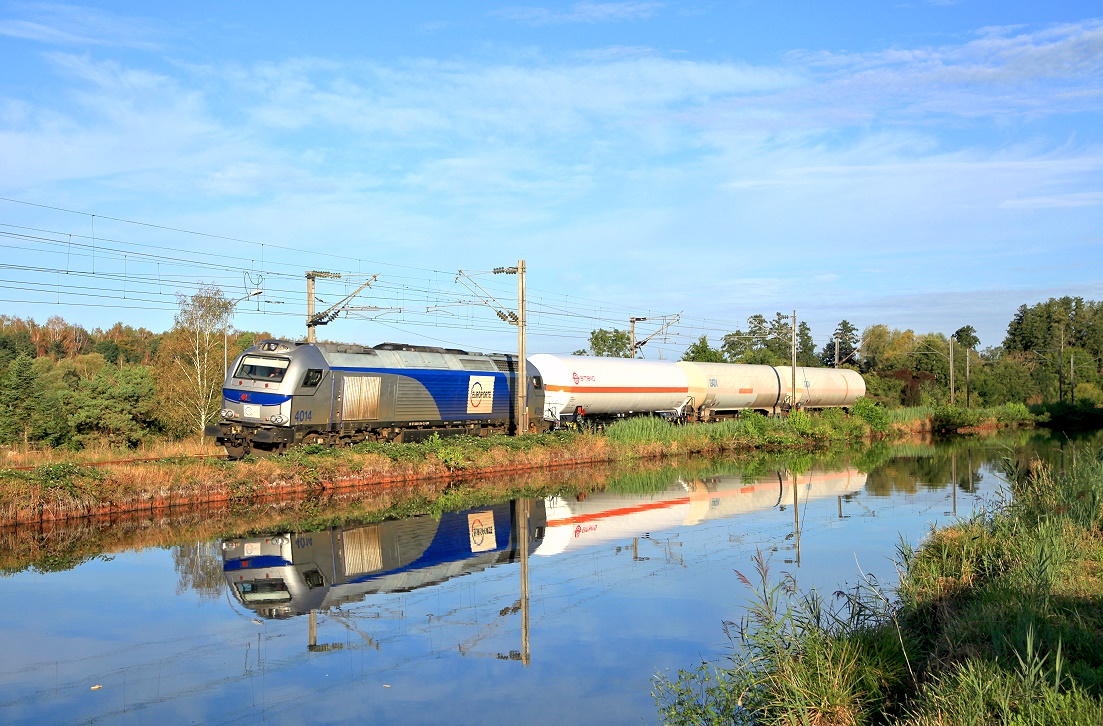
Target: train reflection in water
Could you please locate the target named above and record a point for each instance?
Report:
(609, 518)
(288, 574)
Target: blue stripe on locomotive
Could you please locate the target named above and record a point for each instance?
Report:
(247, 396)
(452, 541)
(254, 563)
(449, 389)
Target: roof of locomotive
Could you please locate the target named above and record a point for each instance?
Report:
(396, 355)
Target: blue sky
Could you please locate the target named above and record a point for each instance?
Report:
(925, 165)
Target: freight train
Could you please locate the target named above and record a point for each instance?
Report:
(280, 393)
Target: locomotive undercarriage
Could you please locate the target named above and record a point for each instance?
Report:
(240, 440)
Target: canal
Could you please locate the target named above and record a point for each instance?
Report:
(553, 609)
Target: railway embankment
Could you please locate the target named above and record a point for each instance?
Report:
(998, 619)
(67, 490)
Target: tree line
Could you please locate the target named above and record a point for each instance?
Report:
(63, 385)
(1051, 352)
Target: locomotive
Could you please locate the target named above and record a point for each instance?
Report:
(280, 393)
(285, 574)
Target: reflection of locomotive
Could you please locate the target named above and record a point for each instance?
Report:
(280, 393)
(292, 573)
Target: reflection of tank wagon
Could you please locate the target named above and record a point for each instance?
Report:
(606, 517)
(290, 574)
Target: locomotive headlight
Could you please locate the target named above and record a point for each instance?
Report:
(227, 413)
(278, 420)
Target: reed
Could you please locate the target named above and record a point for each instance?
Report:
(998, 619)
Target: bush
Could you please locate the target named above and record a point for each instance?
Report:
(948, 419)
(875, 416)
(800, 422)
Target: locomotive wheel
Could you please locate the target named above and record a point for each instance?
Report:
(235, 453)
(262, 451)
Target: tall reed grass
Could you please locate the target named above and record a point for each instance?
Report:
(996, 620)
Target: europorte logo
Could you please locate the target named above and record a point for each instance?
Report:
(480, 525)
(480, 394)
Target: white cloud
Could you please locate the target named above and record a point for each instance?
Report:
(584, 12)
(62, 24)
(1076, 199)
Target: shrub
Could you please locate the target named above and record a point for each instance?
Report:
(874, 415)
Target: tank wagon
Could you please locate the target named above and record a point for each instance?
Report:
(606, 388)
(280, 393)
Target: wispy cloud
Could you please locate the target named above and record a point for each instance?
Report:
(71, 25)
(1077, 199)
(582, 13)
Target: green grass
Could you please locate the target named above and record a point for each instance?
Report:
(996, 620)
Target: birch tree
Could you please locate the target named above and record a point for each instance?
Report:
(190, 361)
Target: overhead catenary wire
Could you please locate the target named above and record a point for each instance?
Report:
(417, 294)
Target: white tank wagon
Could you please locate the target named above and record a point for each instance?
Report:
(822, 387)
(608, 387)
(720, 389)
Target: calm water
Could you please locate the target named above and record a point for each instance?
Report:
(423, 620)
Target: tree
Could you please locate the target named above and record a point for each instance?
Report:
(116, 405)
(199, 567)
(609, 344)
(190, 372)
(702, 352)
(769, 342)
(967, 337)
(19, 395)
(847, 335)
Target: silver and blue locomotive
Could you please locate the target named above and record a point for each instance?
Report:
(280, 393)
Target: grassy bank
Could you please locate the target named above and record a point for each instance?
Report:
(61, 545)
(996, 620)
(71, 489)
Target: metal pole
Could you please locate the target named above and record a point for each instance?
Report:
(525, 621)
(951, 370)
(953, 480)
(793, 394)
(796, 518)
(522, 361)
(836, 351)
(310, 336)
(226, 332)
(967, 356)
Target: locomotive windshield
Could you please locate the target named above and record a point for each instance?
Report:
(261, 368)
(268, 590)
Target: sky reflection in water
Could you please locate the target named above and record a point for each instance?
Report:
(416, 621)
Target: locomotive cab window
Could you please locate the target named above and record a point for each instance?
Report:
(312, 378)
(262, 368)
(537, 382)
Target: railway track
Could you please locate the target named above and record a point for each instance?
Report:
(144, 460)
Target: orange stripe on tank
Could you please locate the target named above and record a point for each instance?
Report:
(615, 389)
